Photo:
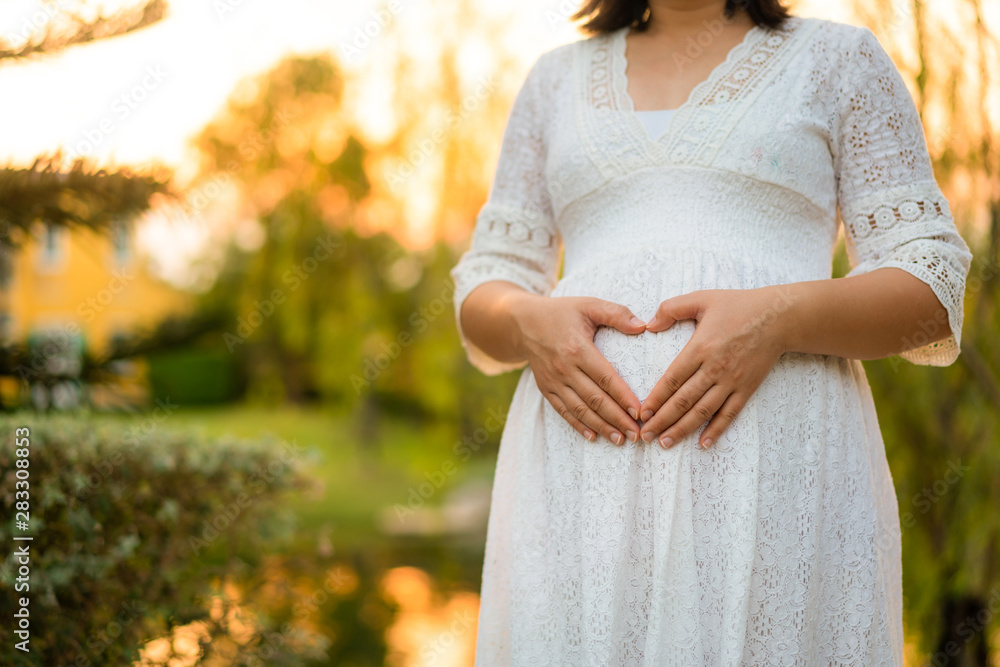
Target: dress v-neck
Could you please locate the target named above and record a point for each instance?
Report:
(656, 121)
(627, 104)
(618, 139)
(739, 46)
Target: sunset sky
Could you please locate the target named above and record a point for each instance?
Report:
(140, 98)
(156, 87)
(160, 85)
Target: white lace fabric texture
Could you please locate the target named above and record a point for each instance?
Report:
(780, 545)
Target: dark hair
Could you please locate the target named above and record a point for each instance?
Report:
(610, 15)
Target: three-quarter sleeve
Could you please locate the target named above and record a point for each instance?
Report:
(515, 238)
(893, 211)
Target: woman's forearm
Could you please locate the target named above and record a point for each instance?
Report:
(868, 316)
(488, 322)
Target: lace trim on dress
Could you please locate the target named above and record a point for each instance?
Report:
(597, 116)
(518, 226)
(906, 233)
(886, 216)
(700, 125)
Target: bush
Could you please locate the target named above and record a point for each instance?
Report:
(195, 376)
(133, 530)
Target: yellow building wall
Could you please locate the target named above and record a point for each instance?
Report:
(78, 276)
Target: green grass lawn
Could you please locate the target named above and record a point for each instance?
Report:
(359, 475)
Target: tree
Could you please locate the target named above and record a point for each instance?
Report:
(374, 329)
(77, 195)
(297, 171)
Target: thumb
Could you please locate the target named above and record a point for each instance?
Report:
(615, 315)
(681, 307)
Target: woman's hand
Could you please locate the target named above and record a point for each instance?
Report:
(739, 336)
(556, 336)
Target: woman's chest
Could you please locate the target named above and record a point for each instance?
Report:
(756, 116)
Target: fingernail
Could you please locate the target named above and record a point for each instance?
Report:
(706, 443)
(588, 434)
(647, 415)
(616, 438)
(634, 413)
(648, 436)
(666, 442)
(636, 322)
(632, 435)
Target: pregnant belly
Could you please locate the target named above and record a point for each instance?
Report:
(641, 282)
(641, 359)
(642, 279)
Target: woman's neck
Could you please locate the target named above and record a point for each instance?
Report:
(681, 18)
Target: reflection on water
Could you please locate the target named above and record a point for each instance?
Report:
(343, 615)
(183, 647)
(397, 617)
(429, 630)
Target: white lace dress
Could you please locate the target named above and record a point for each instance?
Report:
(779, 545)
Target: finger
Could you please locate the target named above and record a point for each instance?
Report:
(679, 404)
(704, 410)
(574, 410)
(723, 418)
(600, 370)
(678, 372)
(608, 313)
(579, 408)
(605, 406)
(560, 407)
(681, 307)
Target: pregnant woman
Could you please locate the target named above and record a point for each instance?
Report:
(691, 472)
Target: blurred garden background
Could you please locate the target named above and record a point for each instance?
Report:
(225, 316)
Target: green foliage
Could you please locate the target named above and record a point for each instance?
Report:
(319, 311)
(31, 363)
(80, 195)
(361, 478)
(282, 144)
(941, 428)
(195, 375)
(841, 265)
(134, 529)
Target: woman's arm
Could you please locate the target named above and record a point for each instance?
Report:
(486, 320)
(905, 290)
(867, 316)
